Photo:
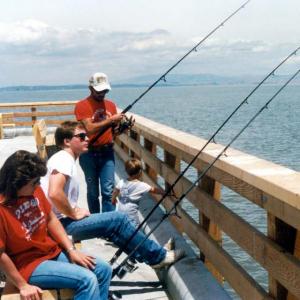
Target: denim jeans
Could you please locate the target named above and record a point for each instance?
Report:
(115, 227)
(99, 168)
(60, 273)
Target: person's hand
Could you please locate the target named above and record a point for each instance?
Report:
(82, 259)
(116, 118)
(80, 213)
(125, 125)
(30, 292)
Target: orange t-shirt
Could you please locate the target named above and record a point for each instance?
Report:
(23, 232)
(98, 111)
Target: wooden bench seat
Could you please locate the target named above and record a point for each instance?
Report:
(45, 143)
(11, 293)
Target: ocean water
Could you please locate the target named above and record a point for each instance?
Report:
(200, 110)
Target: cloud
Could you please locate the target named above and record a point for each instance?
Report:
(32, 47)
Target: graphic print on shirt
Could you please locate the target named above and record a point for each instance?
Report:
(30, 216)
(101, 114)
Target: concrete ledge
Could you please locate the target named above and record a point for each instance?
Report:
(188, 278)
(10, 133)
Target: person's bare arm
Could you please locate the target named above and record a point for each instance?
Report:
(59, 234)
(155, 190)
(56, 193)
(115, 194)
(27, 291)
(93, 127)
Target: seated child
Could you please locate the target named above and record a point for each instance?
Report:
(130, 191)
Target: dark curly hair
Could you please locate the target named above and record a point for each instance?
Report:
(17, 171)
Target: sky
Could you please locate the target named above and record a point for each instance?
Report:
(65, 41)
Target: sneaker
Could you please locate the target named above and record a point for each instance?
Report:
(170, 244)
(171, 257)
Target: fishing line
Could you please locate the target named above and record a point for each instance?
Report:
(171, 187)
(202, 174)
(163, 77)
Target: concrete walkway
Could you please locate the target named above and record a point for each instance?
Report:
(140, 285)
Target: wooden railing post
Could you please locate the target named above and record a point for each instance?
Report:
(286, 237)
(213, 188)
(1, 128)
(297, 255)
(151, 148)
(33, 118)
(173, 162)
(135, 136)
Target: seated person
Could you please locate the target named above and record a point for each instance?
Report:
(35, 251)
(131, 190)
(62, 189)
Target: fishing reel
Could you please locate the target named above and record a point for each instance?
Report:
(125, 124)
(128, 267)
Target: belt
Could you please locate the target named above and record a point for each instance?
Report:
(101, 148)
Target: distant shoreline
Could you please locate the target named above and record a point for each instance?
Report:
(173, 80)
(80, 87)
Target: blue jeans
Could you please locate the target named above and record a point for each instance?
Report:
(60, 273)
(99, 168)
(115, 227)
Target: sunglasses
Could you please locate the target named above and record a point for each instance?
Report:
(82, 136)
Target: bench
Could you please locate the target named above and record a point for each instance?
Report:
(45, 143)
(10, 293)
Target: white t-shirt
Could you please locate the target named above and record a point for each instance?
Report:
(64, 163)
(129, 196)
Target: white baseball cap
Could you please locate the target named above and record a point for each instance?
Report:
(99, 82)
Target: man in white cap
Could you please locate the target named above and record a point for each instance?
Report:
(98, 164)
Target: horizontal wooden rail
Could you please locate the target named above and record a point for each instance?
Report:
(53, 112)
(36, 104)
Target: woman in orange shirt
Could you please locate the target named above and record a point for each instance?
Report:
(35, 251)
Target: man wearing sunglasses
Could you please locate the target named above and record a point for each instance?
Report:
(96, 112)
(61, 187)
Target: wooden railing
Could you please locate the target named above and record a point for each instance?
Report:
(14, 115)
(273, 188)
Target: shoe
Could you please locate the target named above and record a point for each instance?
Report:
(170, 244)
(171, 257)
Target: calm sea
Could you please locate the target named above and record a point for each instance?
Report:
(200, 110)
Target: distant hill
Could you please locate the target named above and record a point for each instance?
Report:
(43, 87)
(185, 79)
(171, 80)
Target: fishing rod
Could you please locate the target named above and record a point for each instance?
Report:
(171, 187)
(119, 269)
(163, 77)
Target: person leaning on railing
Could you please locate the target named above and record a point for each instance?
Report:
(35, 251)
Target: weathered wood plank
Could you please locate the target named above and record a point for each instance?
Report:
(257, 172)
(213, 188)
(41, 103)
(43, 114)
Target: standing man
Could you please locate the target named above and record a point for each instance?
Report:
(98, 164)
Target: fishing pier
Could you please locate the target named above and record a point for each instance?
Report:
(204, 219)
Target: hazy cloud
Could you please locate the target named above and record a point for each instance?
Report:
(69, 56)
